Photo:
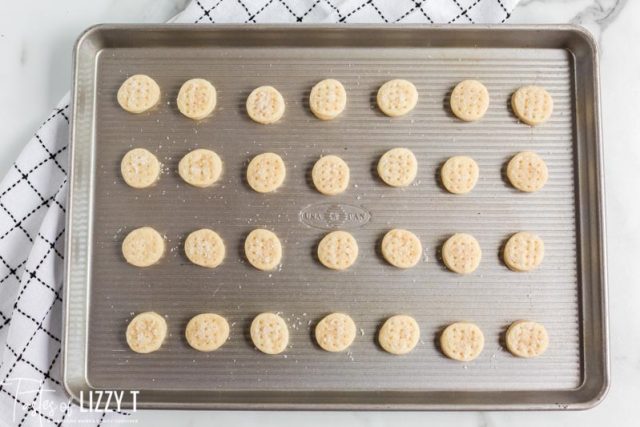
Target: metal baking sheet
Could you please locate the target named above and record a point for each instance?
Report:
(567, 293)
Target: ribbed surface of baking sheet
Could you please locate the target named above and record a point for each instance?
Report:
(302, 290)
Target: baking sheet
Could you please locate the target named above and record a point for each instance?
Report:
(566, 294)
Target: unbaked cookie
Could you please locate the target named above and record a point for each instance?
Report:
(330, 175)
(469, 100)
(146, 332)
(269, 333)
(527, 172)
(200, 168)
(335, 332)
(197, 99)
(397, 97)
(205, 247)
(532, 104)
(139, 93)
(207, 331)
(140, 168)
(143, 247)
(327, 99)
(398, 167)
(401, 248)
(266, 172)
(527, 339)
(338, 250)
(462, 341)
(459, 174)
(265, 105)
(399, 334)
(263, 249)
(524, 251)
(461, 253)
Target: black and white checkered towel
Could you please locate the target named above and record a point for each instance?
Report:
(34, 192)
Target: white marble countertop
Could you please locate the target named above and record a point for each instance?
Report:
(35, 44)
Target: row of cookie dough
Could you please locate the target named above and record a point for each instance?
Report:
(338, 250)
(399, 334)
(266, 172)
(197, 99)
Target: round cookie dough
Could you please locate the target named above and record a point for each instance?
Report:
(397, 97)
(265, 105)
(398, 167)
(327, 99)
(269, 333)
(266, 172)
(146, 332)
(527, 339)
(527, 172)
(469, 100)
(140, 168)
(139, 93)
(532, 104)
(338, 250)
(459, 174)
(335, 332)
(461, 253)
(524, 251)
(207, 332)
(205, 248)
(399, 334)
(330, 175)
(462, 341)
(401, 248)
(143, 247)
(200, 168)
(197, 99)
(263, 249)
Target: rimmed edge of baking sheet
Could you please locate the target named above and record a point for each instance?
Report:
(591, 223)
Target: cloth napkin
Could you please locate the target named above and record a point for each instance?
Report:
(33, 207)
